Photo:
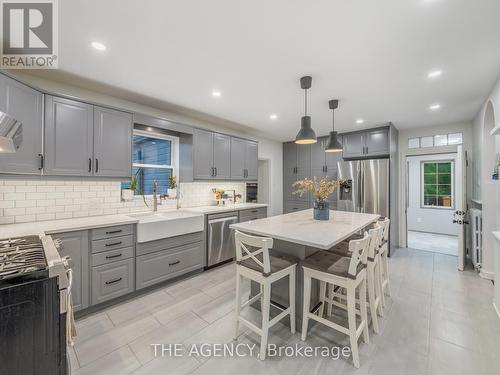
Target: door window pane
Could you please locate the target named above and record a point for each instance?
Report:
(455, 139)
(414, 143)
(437, 184)
(427, 142)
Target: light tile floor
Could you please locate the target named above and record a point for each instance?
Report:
(439, 321)
(437, 243)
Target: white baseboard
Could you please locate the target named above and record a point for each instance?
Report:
(496, 309)
(487, 275)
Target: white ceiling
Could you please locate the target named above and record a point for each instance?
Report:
(374, 56)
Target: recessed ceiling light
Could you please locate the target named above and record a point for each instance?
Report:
(435, 74)
(435, 107)
(98, 46)
(273, 116)
(216, 94)
(359, 121)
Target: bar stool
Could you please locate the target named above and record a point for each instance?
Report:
(373, 279)
(346, 272)
(254, 262)
(384, 264)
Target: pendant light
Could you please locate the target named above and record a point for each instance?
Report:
(306, 134)
(333, 142)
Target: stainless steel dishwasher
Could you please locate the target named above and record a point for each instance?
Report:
(220, 241)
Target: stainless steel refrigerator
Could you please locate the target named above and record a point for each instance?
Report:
(367, 187)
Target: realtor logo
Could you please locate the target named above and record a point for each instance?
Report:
(29, 34)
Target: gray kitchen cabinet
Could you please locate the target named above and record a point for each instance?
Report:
(222, 156)
(244, 159)
(76, 246)
(353, 145)
(293, 206)
(238, 153)
(112, 280)
(251, 160)
(377, 142)
(25, 105)
(211, 155)
(366, 144)
(296, 166)
(68, 137)
(112, 143)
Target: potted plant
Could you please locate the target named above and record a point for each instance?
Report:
(172, 186)
(128, 194)
(321, 190)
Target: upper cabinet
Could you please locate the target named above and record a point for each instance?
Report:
(244, 159)
(25, 105)
(219, 156)
(366, 144)
(211, 155)
(68, 137)
(112, 143)
(83, 140)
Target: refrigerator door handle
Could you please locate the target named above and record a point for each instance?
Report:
(361, 188)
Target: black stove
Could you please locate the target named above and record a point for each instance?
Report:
(22, 259)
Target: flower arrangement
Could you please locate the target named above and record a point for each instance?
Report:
(320, 189)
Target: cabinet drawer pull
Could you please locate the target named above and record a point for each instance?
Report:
(114, 243)
(113, 256)
(174, 263)
(114, 231)
(254, 211)
(113, 281)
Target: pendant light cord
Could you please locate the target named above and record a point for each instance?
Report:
(305, 103)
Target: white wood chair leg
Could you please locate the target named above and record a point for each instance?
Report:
(363, 310)
(265, 320)
(351, 313)
(291, 287)
(379, 291)
(372, 298)
(322, 295)
(261, 296)
(307, 305)
(386, 274)
(330, 289)
(237, 308)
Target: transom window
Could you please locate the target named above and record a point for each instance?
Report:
(154, 156)
(437, 184)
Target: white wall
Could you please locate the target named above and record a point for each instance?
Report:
(404, 134)
(268, 149)
(487, 191)
(434, 220)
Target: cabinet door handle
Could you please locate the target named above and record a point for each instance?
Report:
(41, 162)
(113, 256)
(174, 263)
(215, 171)
(114, 243)
(326, 168)
(90, 165)
(113, 281)
(114, 231)
(96, 165)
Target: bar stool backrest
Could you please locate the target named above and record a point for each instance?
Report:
(359, 251)
(375, 235)
(385, 236)
(248, 247)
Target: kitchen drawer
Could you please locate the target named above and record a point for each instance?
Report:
(295, 206)
(112, 256)
(112, 243)
(168, 243)
(115, 231)
(112, 280)
(163, 265)
(249, 218)
(260, 212)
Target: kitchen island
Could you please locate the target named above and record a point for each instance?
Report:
(299, 235)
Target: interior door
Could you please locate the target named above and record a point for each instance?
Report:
(459, 217)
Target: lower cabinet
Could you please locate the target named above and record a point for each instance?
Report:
(162, 265)
(291, 206)
(112, 280)
(76, 246)
(252, 214)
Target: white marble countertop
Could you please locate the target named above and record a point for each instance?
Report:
(84, 223)
(300, 227)
(226, 208)
(496, 234)
(66, 225)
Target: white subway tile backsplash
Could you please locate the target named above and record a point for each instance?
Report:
(36, 200)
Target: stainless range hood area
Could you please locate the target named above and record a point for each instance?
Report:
(11, 134)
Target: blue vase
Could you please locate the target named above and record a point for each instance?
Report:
(321, 210)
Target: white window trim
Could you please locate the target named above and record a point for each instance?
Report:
(174, 157)
(422, 205)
